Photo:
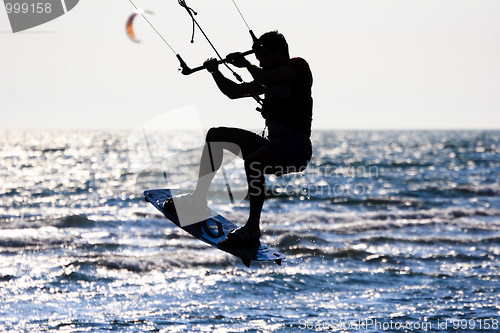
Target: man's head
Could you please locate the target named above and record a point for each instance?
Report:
(271, 49)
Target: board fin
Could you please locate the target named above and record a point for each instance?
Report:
(246, 262)
(278, 262)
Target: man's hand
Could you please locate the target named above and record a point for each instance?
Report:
(211, 65)
(236, 59)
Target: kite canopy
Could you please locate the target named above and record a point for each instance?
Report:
(130, 28)
(130, 24)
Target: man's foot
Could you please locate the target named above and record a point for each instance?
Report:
(239, 238)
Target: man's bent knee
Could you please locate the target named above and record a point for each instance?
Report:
(216, 134)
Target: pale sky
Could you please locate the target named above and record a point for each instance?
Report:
(377, 64)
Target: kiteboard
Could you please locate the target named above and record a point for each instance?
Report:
(213, 231)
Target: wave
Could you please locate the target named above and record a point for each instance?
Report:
(348, 223)
(371, 201)
(431, 240)
(7, 277)
(31, 242)
(362, 250)
(70, 221)
(180, 259)
(490, 190)
(42, 234)
(292, 239)
(438, 215)
(73, 221)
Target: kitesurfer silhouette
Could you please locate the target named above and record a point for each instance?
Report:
(287, 109)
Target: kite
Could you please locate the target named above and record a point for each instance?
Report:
(130, 24)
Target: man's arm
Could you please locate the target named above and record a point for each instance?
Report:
(228, 87)
(262, 76)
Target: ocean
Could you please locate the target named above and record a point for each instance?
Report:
(386, 231)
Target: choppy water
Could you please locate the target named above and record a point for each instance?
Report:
(386, 231)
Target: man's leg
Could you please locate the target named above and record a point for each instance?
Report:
(237, 141)
(263, 161)
(279, 157)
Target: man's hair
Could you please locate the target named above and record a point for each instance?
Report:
(272, 40)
